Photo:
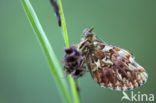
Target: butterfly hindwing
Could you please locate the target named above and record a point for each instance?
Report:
(115, 68)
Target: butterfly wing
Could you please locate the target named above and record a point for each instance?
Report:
(115, 68)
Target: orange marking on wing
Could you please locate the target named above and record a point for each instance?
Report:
(100, 54)
(102, 46)
(116, 49)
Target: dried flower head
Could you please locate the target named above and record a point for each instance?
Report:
(73, 62)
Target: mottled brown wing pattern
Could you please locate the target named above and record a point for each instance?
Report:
(110, 66)
(115, 68)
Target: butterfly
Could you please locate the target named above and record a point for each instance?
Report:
(110, 66)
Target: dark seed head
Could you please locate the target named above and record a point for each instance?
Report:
(68, 50)
(73, 62)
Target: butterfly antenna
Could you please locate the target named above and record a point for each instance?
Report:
(100, 39)
(91, 29)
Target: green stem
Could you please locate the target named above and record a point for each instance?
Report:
(63, 24)
(74, 90)
(48, 51)
(65, 35)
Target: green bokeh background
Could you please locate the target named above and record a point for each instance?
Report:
(24, 73)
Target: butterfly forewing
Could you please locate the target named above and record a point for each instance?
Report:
(114, 67)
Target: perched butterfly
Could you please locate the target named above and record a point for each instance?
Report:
(109, 66)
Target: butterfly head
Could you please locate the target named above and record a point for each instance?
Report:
(88, 34)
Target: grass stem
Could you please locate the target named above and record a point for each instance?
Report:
(48, 51)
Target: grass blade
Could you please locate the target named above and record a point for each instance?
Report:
(48, 51)
(65, 35)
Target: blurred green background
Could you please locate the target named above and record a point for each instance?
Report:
(24, 73)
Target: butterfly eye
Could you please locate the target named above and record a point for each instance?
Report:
(87, 33)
